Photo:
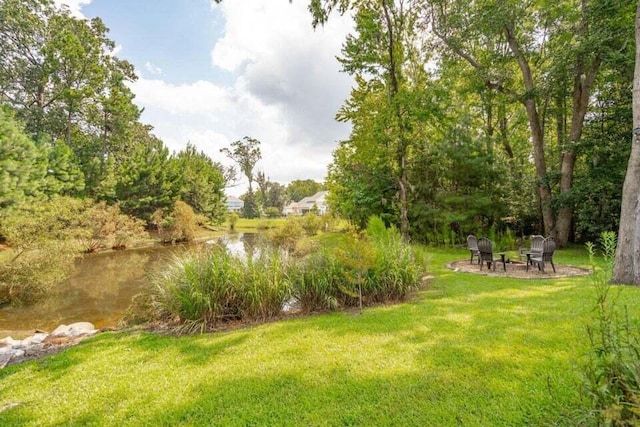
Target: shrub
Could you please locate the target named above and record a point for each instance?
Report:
(43, 241)
(395, 270)
(233, 220)
(311, 223)
(110, 228)
(612, 372)
(272, 212)
(200, 289)
(287, 236)
(179, 226)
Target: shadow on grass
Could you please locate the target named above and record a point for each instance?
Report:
(339, 397)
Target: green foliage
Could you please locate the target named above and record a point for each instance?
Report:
(148, 181)
(287, 236)
(250, 209)
(179, 225)
(272, 212)
(201, 183)
(317, 279)
(197, 289)
(311, 223)
(612, 372)
(42, 240)
(110, 228)
(22, 168)
(233, 220)
(298, 189)
(245, 152)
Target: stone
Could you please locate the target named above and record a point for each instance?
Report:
(8, 342)
(81, 328)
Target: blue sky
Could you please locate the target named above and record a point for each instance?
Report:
(212, 74)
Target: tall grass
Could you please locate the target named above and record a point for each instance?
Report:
(265, 286)
(199, 290)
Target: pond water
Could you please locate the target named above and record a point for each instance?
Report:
(101, 287)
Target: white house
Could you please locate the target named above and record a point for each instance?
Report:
(234, 204)
(317, 201)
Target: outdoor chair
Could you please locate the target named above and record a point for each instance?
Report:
(472, 244)
(485, 247)
(546, 256)
(535, 248)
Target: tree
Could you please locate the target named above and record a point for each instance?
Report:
(147, 180)
(245, 152)
(301, 188)
(201, 183)
(552, 55)
(22, 167)
(627, 260)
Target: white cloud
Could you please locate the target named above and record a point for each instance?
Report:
(74, 6)
(153, 69)
(285, 91)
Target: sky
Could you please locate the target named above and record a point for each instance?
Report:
(211, 74)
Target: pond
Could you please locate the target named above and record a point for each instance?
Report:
(101, 287)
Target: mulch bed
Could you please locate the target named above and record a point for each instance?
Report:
(518, 270)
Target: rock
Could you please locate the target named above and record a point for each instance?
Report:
(75, 329)
(81, 328)
(8, 342)
(34, 339)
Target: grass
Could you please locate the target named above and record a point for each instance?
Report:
(470, 350)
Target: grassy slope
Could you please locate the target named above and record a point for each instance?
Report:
(471, 350)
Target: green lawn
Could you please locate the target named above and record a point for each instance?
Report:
(470, 350)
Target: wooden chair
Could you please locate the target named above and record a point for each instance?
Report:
(539, 259)
(485, 247)
(472, 244)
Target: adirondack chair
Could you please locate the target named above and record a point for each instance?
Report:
(485, 247)
(535, 248)
(546, 256)
(472, 244)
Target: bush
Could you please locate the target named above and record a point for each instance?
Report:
(198, 289)
(265, 286)
(287, 236)
(233, 220)
(612, 372)
(311, 223)
(272, 212)
(43, 241)
(179, 226)
(110, 228)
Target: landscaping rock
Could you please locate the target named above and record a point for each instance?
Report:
(41, 343)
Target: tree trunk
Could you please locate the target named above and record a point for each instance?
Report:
(627, 262)
(537, 135)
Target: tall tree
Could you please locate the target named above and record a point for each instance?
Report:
(385, 48)
(246, 153)
(22, 167)
(201, 183)
(498, 38)
(627, 261)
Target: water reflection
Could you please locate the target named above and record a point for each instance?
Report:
(101, 287)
